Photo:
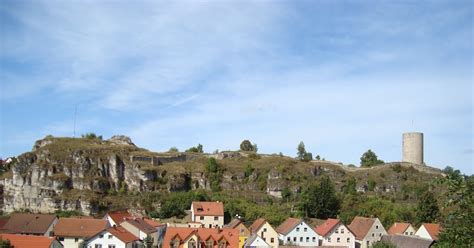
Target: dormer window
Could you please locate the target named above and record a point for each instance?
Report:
(174, 243)
(222, 244)
(209, 243)
(200, 209)
(192, 244)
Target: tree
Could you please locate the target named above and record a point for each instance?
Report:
(302, 155)
(320, 200)
(350, 186)
(369, 159)
(91, 136)
(5, 243)
(427, 210)
(173, 149)
(318, 157)
(148, 242)
(457, 229)
(247, 146)
(197, 149)
(286, 193)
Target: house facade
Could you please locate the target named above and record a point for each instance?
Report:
(334, 233)
(367, 231)
(256, 241)
(113, 237)
(244, 232)
(210, 214)
(402, 229)
(263, 229)
(184, 237)
(140, 228)
(71, 232)
(429, 231)
(297, 232)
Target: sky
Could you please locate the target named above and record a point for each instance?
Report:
(341, 76)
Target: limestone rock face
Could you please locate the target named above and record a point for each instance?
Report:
(121, 140)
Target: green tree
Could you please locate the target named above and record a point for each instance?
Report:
(371, 184)
(248, 170)
(5, 243)
(301, 151)
(91, 136)
(247, 146)
(286, 194)
(148, 242)
(350, 186)
(369, 159)
(173, 149)
(196, 149)
(457, 229)
(427, 210)
(318, 157)
(320, 200)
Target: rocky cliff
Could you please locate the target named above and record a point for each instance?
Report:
(77, 173)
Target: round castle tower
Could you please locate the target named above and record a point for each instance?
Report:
(413, 148)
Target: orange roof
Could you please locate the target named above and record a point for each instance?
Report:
(233, 223)
(119, 216)
(78, 227)
(360, 226)
(432, 229)
(257, 224)
(152, 222)
(28, 241)
(327, 226)
(208, 208)
(183, 233)
(122, 234)
(288, 225)
(398, 228)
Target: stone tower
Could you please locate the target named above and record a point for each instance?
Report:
(413, 148)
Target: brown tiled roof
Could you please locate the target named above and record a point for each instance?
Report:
(208, 208)
(28, 241)
(183, 233)
(432, 229)
(405, 241)
(288, 225)
(122, 234)
(141, 225)
(78, 227)
(360, 226)
(119, 216)
(398, 228)
(233, 223)
(29, 223)
(327, 226)
(257, 224)
(152, 222)
(3, 221)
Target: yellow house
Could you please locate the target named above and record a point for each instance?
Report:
(244, 232)
(263, 229)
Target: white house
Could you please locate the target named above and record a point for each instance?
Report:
(210, 214)
(428, 231)
(113, 237)
(256, 241)
(367, 231)
(116, 217)
(262, 228)
(334, 233)
(71, 232)
(296, 232)
(402, 229)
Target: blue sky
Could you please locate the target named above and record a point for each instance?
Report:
(342, 76)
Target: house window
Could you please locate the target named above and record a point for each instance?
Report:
(174, 244)
(76, 240)
(101, 236)
(305, 229)
(61, 239)
(201, 217)
(368, 243)
(337, 231)
(380, 234)
(272, 240)
(297, 229)
(294, 239)
(373, 234)
(342, 230)
(110, 236)
(192, 243)
(209, 244)
(216, 218)
(111, 246)
(301, 239)
(288, 239)
(348, 240)
(98, 246)
(264, 239)
(329, 239)
(307, 239)
(338, 240)
(314, 239)
(264, 229)
(222, 244)
(411, 233)
(376, 227)
(210, 225)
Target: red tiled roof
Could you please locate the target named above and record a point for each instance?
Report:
(208, 208)
(360, 226)
(141, 225)
(288, 225)
(257, 224)
(119, 216)
(28, 241)
(122, 234)
(25, 223)
(233, 223)
(183, 233)
(432, 229)
(398, 228)
(327, 226)
(152, 222)
(78, 227)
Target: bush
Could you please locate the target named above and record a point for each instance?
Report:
(91, 136)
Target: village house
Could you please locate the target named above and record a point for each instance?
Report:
(184, 237)
(244, 232)
(334, 233)
(113, 237)
(116, 217)
(71, 232)
(30, 224)
(254, 241)
(263, 229)
(296, 232)
(367, 231)
(140, 228)
(210, 214)
(401, 228)
(429, 231)
(30, 241)
(407, 241)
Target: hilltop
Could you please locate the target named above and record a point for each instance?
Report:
(93, 175)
